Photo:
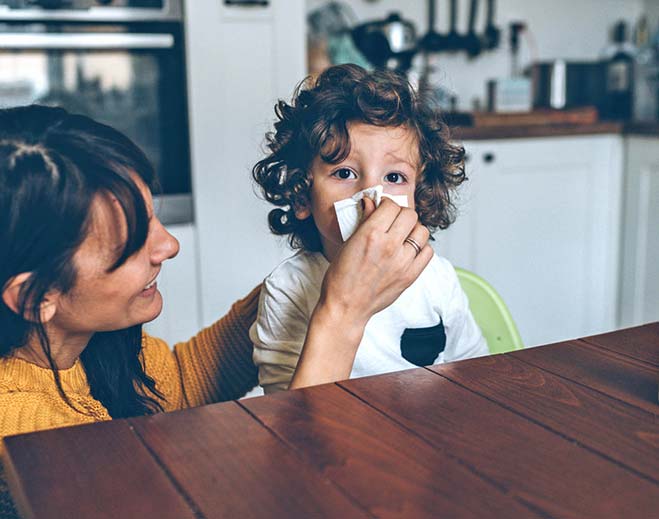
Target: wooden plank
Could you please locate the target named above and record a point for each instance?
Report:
(613, 428)
(641, 343)
(98, 471)
(613, 374)
(229, 465)
(384, 467)
(555, 476)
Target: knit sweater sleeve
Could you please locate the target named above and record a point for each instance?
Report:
(216, 365)
(24, 412)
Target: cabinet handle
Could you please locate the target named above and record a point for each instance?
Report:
(247, 3)
(488, 158)
(467, 157)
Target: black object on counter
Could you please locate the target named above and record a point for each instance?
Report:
(619, 78)
(564, 85)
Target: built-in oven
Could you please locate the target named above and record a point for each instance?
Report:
(121, 62)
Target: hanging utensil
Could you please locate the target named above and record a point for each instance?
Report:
(432, 41)
(453, 38)
(472, 42)
(492, 34)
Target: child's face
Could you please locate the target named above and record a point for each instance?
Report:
(378, 155)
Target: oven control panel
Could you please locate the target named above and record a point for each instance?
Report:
(91, 10)
(82, 4)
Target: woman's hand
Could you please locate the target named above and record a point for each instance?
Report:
(376, 264)
(373, 268)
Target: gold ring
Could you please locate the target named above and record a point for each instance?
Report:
(414, 244)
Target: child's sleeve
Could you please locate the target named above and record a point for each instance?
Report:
(464, 339)
(278, 334)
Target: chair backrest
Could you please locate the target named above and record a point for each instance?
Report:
(491, 313)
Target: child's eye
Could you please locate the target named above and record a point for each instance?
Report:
(395, 178)
(344, 174)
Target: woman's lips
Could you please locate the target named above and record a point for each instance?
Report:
(150, 288)
(148, 292)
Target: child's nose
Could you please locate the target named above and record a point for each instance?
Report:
(367, 181)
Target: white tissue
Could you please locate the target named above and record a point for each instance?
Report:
(349, 211)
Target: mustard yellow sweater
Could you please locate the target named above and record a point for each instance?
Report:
(214, 366)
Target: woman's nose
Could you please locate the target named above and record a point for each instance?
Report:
(165, 246)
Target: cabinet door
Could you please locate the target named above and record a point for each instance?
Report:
(241, 59)
(640, 270)
(540, 221)
(178, 285)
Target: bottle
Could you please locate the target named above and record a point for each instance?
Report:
(619, 95)
(646, 74)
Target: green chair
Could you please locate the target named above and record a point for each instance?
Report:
(490, 313)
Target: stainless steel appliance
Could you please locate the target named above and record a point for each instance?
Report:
(561, 84)
(121, 62)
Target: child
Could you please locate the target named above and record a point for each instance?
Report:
(350, 131)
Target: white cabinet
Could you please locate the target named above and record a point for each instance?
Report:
(640, 258)
(178, 284)
(241, 59)
(540, 220)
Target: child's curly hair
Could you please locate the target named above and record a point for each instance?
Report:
(315, 124)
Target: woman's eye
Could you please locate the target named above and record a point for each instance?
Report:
(344, 174)
(395, 178)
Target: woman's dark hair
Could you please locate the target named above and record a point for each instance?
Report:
(52, 166)
(316, 124)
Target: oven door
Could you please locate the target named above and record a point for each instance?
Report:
(133, 81)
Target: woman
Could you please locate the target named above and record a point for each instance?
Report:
(81, 251)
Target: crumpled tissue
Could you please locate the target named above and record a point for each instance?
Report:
(349, 212)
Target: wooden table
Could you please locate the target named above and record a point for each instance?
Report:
(566, 430)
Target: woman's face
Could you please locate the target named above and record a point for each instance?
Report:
(101, 300)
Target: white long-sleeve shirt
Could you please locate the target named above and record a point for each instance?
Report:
(291, 292)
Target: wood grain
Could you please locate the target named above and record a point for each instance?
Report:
(97, 471)
(613, 428)
(641, 343)
(389, 471)
(229, 465)
(552, 474)
(610, 373)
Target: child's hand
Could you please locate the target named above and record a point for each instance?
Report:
(376, 264)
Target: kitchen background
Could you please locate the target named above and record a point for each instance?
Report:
(560, 217)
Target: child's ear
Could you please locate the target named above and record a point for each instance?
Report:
(11, 295)
(302, 212)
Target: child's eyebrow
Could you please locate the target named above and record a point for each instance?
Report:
(403, 160)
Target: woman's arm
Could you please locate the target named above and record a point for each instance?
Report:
(216, 364)
(371, 271)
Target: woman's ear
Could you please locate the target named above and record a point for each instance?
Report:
(11, 294)
(12, 290)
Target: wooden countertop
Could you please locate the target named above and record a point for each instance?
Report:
(568, 430)
(554, 130)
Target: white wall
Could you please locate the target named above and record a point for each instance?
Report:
(652, 9)
(240, 60)
(569, 29)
